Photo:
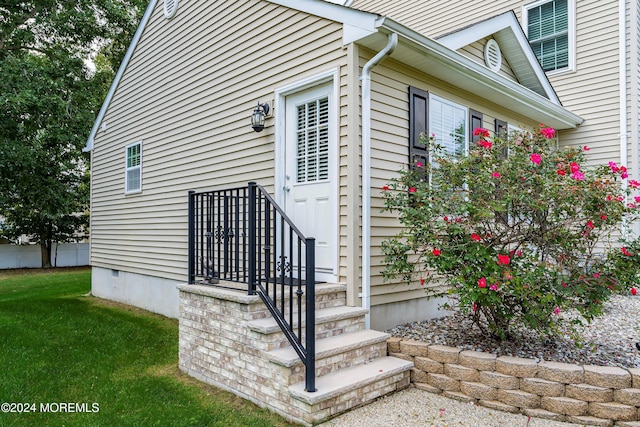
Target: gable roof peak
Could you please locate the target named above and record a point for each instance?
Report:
(507, 32)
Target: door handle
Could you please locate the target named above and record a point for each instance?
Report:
(286, 188)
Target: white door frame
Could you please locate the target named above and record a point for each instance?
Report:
(329, 76)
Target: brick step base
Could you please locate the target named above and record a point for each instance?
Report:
(228, 339)
(351, 387)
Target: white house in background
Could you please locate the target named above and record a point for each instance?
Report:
(374, 76)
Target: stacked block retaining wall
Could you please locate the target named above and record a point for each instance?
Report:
(585, 394)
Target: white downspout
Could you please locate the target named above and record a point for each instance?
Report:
(366, 171)
(622, 48)
(623, 81)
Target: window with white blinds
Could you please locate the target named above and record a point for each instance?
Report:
(312, 141)
(548, 29)
(448, 122)
(133, 167)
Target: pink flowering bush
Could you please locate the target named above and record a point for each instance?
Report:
(518, 230)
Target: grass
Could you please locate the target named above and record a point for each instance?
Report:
(61, 345)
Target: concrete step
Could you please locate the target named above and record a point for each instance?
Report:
(333, 354)
(330, 346)
(332, 314)
(351, 387)
(330, 321)
(327, 295)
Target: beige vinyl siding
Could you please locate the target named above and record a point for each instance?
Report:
(475, 51)
(390, 139)
(435, 17)
(188, 93)
(591, 91)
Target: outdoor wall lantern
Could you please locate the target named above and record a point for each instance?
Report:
(258, 116)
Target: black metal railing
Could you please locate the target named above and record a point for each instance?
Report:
(241, 235)
(218, 236)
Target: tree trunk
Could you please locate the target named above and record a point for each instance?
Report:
(45, 253)
(46, 238)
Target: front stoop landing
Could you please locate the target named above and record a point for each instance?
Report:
(229, 340)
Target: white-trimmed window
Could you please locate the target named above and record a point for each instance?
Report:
(550, 27)
(133, 168)
(448, 122)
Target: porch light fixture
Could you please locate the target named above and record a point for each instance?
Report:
(258, 116)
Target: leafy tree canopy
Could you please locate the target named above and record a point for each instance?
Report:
(57, 59)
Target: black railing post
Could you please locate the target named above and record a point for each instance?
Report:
(252, 238)
(192, 236)
(310, 329)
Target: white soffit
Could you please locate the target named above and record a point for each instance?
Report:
(357, 24)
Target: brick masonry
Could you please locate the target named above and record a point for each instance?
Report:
(219, 344)
(558, 391)
(218, 348)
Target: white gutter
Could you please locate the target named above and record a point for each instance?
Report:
(116, 80)
(472, 76)
(622, 52)
(366, 171)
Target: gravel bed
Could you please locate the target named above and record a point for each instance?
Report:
(609, 340)
(416, 408)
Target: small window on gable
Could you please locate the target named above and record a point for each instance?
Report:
(550, 27)
(170, 8)
(448, 122)
(133, 168)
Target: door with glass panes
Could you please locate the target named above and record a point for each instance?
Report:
(309, 198)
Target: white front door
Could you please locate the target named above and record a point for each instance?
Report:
(310, 172)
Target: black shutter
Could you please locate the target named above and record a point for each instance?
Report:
(475, 121)
(418, 124)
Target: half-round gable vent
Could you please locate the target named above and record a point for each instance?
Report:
(170, 8)
(492, 55)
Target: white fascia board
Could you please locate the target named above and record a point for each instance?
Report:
(482, 75)
(118, 77)
(508, 20)
(475, 32)
(356, 23)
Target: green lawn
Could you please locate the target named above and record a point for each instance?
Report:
(59, 345)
